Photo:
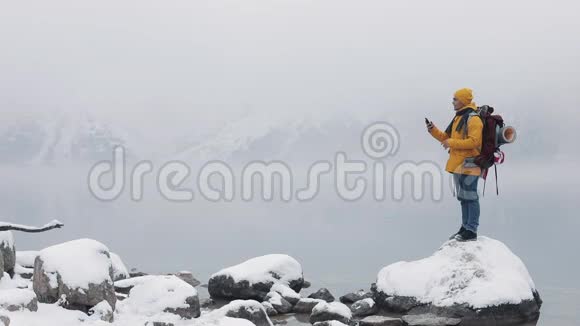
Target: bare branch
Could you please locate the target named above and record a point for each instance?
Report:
(30, 229)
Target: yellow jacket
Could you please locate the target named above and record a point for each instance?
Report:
(462, 146)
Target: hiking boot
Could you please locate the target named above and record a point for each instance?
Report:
(466, 235)
(455, 234)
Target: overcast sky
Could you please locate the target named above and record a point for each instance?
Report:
(176, 63)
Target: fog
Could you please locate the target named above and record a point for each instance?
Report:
(296, 81)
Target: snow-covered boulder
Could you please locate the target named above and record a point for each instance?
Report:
(120, 271)
(322, 294)
(18, 299)
(478, 279)
(325, 311)
(154, 294)
(305, 305)
(81, 270)
(4, 320)
(8, 251)
(364, 307)
(254, 278)
(245, 309)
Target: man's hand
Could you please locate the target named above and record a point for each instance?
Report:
(430, 126)
(445, 144)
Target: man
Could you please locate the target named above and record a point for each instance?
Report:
(462, 139)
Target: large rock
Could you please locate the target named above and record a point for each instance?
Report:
(4, 320)
(153, 294)
(478, 280)
(18, 299)
(245, 309)
(326, 311)
(8, 251)
(322, 294)
(254, 278)
(81, 270)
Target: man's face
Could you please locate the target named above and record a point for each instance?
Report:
(457, 104)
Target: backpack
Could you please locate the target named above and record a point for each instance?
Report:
(491, 140)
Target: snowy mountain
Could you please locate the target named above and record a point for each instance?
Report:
(82, 138)
(259, 137)
(56, 139)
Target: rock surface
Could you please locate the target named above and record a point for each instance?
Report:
(430, 320)
(479, 280)
(254, 278)
(322, 294)
(81, 270)
(326, 311)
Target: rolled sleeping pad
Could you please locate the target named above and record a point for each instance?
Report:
(506, 135)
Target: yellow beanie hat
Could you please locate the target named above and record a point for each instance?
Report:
(464, 95)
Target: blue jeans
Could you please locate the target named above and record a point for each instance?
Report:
(466, 187)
